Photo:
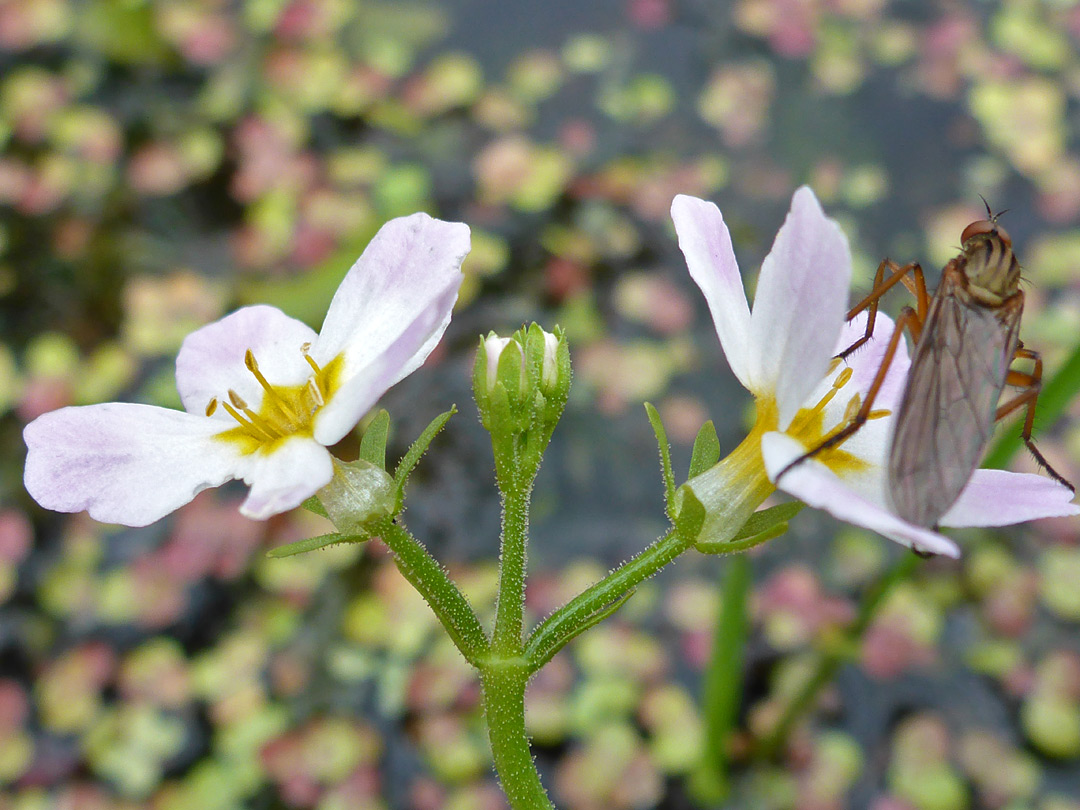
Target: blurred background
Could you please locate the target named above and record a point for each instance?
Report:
(165, 161)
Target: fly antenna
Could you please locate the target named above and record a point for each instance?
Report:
(990, 215)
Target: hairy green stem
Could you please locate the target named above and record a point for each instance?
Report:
(439, 591)
(557, 628)
(504, 682)
(510, 608)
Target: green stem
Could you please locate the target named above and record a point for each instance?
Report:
(829, 662)
(439, 591)
(723, 680)
(504, 709)
(510, 608)
(558, 628)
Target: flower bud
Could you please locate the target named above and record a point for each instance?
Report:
(522, 382)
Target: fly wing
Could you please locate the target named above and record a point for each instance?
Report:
(946, 415)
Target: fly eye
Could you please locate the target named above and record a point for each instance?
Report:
(982, 227)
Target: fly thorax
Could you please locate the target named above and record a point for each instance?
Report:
(286, 411)
(991, 269)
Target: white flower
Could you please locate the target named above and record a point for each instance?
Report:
(263, 394)
(783, 351)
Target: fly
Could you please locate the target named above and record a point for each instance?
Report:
(966, 338)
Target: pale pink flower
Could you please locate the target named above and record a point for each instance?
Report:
(782, 352)
(263, 394)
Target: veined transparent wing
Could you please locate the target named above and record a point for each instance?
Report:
(946, 416)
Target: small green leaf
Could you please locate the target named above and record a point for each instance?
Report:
(706, 450)
(665, 458)
(373, 445)
(539, 657)
(313, 544)
(313, 504)
(765, 519)
(418, 448)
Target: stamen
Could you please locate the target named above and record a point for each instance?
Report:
(834, 363)
(852, 408)
(843, 377)
(282, 405)
(253, 419)
(211, 406)
(318, 372)
(825, 400)
(244, 423)
(880, 413)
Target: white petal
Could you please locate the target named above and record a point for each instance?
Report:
(411, 268)
(124, 463)
(366, 384)
(211, 360)
(799, 305)
(1001, 498)
(817, 486)
(283, 479)
(866, 360)
(706, 244)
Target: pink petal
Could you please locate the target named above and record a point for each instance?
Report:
(211, 360)
(366, 384)
(283, 479)
(405, 281)
(799, 305)
(124, 463)
(866, 360)
(817, 486)
(706, 244)
(1002, 498)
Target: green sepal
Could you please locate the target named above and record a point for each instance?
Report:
(665, 458)
(510, 373)
(765, 519)
(314, 544)
(691, 515)
(479, 380)
(412, 456)
(762, 526)
(358, 495)
(313, 504)
(540, 655)
(373, 444)
(706, 450)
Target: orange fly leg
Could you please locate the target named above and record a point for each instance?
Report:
(1032, 384)
(881, 286)
(908, 318)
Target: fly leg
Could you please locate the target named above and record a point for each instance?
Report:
(909, 319)
(1032, 384)
(882, 285)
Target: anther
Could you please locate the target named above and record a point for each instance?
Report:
(852, 408)
(282, 405)
(237, 400)
(880, 413)
(211, 406)
(843, 377)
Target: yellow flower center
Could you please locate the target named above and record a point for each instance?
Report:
(285, 411)
(808, 426)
